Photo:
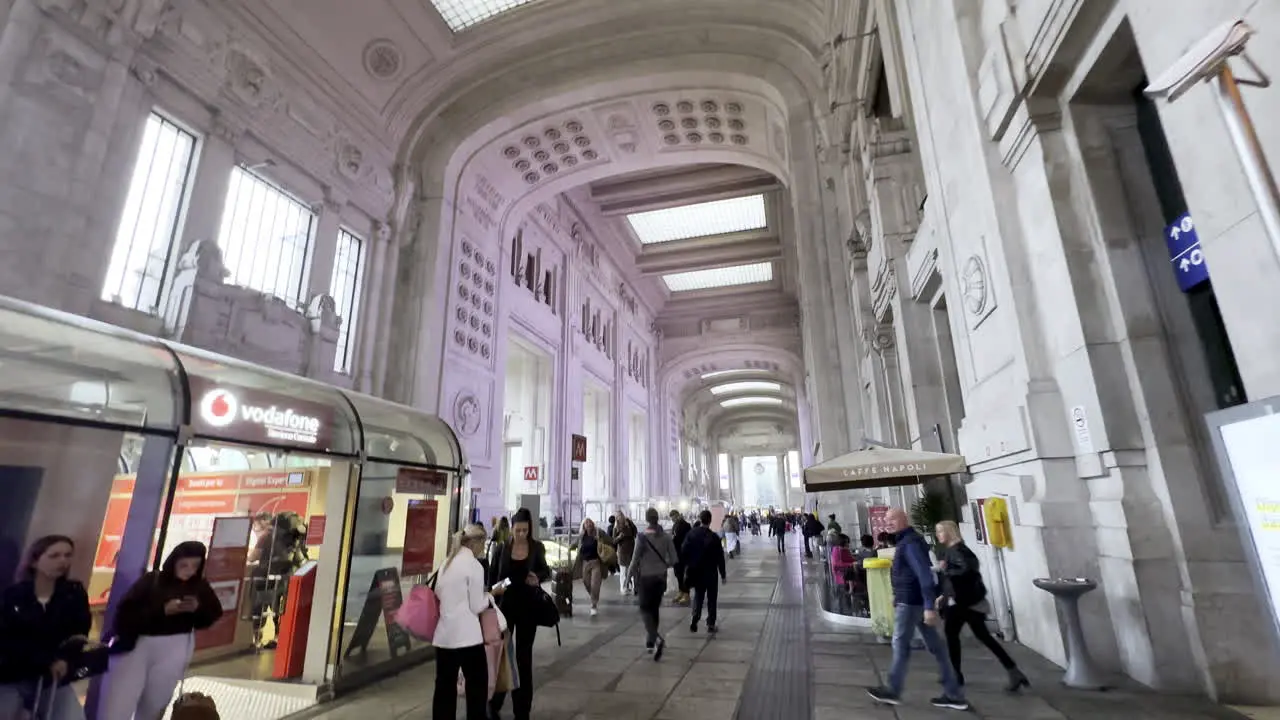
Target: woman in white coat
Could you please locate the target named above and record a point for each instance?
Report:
(459, 640)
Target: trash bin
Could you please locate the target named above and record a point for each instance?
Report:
(880, 596)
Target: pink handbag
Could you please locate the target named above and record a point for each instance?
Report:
(491, 626)
(420, 613)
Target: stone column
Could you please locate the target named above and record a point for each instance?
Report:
(208, 194)
(375, 278)
(324, 246)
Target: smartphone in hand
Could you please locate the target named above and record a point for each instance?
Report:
(506, 583)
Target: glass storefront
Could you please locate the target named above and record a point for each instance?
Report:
(320, 507)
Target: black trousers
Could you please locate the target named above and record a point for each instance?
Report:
(807, 551)
(782, 541)
(681, 581)
(651, 590)
(708, 590)
(522, 697)
(955, 620)
(475, 670)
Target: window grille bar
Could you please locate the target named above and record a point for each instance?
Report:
(265, 237)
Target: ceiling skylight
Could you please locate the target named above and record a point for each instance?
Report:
(462, 14)
(690, 221)
(719, 277)
(722, 373)
(746, 386)
(754, 400)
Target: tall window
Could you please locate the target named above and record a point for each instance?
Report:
(149, 224)
(348, 277)
(722, 462)
(265, 237)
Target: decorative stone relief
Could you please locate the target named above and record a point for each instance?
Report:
(112, 20)
(975, 290)
(620, 122)
(538, 155)
(247, 79)
(883, 289)
(382, 59)
(474, 299)
(467, 413)
(684, 123)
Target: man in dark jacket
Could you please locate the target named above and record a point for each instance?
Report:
(679, 531)
(778, 529)
(812, 529)
(914, 594)
(704, 559)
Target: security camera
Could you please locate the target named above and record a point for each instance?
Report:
(1203, 61)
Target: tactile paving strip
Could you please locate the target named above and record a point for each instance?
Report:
(778, 684)
(241, 702)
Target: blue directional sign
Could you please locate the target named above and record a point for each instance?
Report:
(1185, 253)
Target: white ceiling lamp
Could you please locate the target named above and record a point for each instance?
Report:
(462, 14)
(746, 386)
(722, 373)
(753, 400)
(752, 274)
(699, 220)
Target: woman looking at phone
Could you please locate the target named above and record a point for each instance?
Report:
(154, 630)
(522, 565)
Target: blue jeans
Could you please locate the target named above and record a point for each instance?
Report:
(66, 706)
(906, 620)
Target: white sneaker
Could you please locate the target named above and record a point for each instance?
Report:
(594, 612)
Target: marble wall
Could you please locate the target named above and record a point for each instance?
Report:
(1065, 366)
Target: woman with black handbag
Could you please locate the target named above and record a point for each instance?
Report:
(44, 624)
(521, 563)
(155, 634)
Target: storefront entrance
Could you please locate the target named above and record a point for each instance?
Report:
(319, 508)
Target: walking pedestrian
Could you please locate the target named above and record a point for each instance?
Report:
(965, 601)
(654, 555)
(914, 610)
(704, 560)
(679, 531)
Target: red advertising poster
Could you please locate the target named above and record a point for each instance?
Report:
(315, 530)
(876, 515)
(224, 569)
(219, 504)
(419, 538)
(415, 481)
(274, 503)
(112, 533)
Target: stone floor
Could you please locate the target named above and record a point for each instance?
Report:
(809, 668)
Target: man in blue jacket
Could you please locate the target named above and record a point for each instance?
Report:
(914, 593)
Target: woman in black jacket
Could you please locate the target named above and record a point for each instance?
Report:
(523, 561)
(155, 628)
(44, 624)
(962, 585)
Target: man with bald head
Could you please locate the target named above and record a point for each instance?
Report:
(914, 592)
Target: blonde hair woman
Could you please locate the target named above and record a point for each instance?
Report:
(459, 640)
(592, 569)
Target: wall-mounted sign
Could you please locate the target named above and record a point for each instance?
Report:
(253, 416)
(579, 448)
(417, 481)
(1185, 253)
(1080, 422)
(531, 473)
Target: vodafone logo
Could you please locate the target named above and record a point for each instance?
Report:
(219, 408)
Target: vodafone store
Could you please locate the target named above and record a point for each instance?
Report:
(320, 507)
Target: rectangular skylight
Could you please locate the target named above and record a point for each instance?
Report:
(739, 402)
(462, 14)
(746, 386)
(719, 277)
(699, 220)
(722, 373)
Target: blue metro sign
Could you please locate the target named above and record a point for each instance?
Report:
(1185, 253)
